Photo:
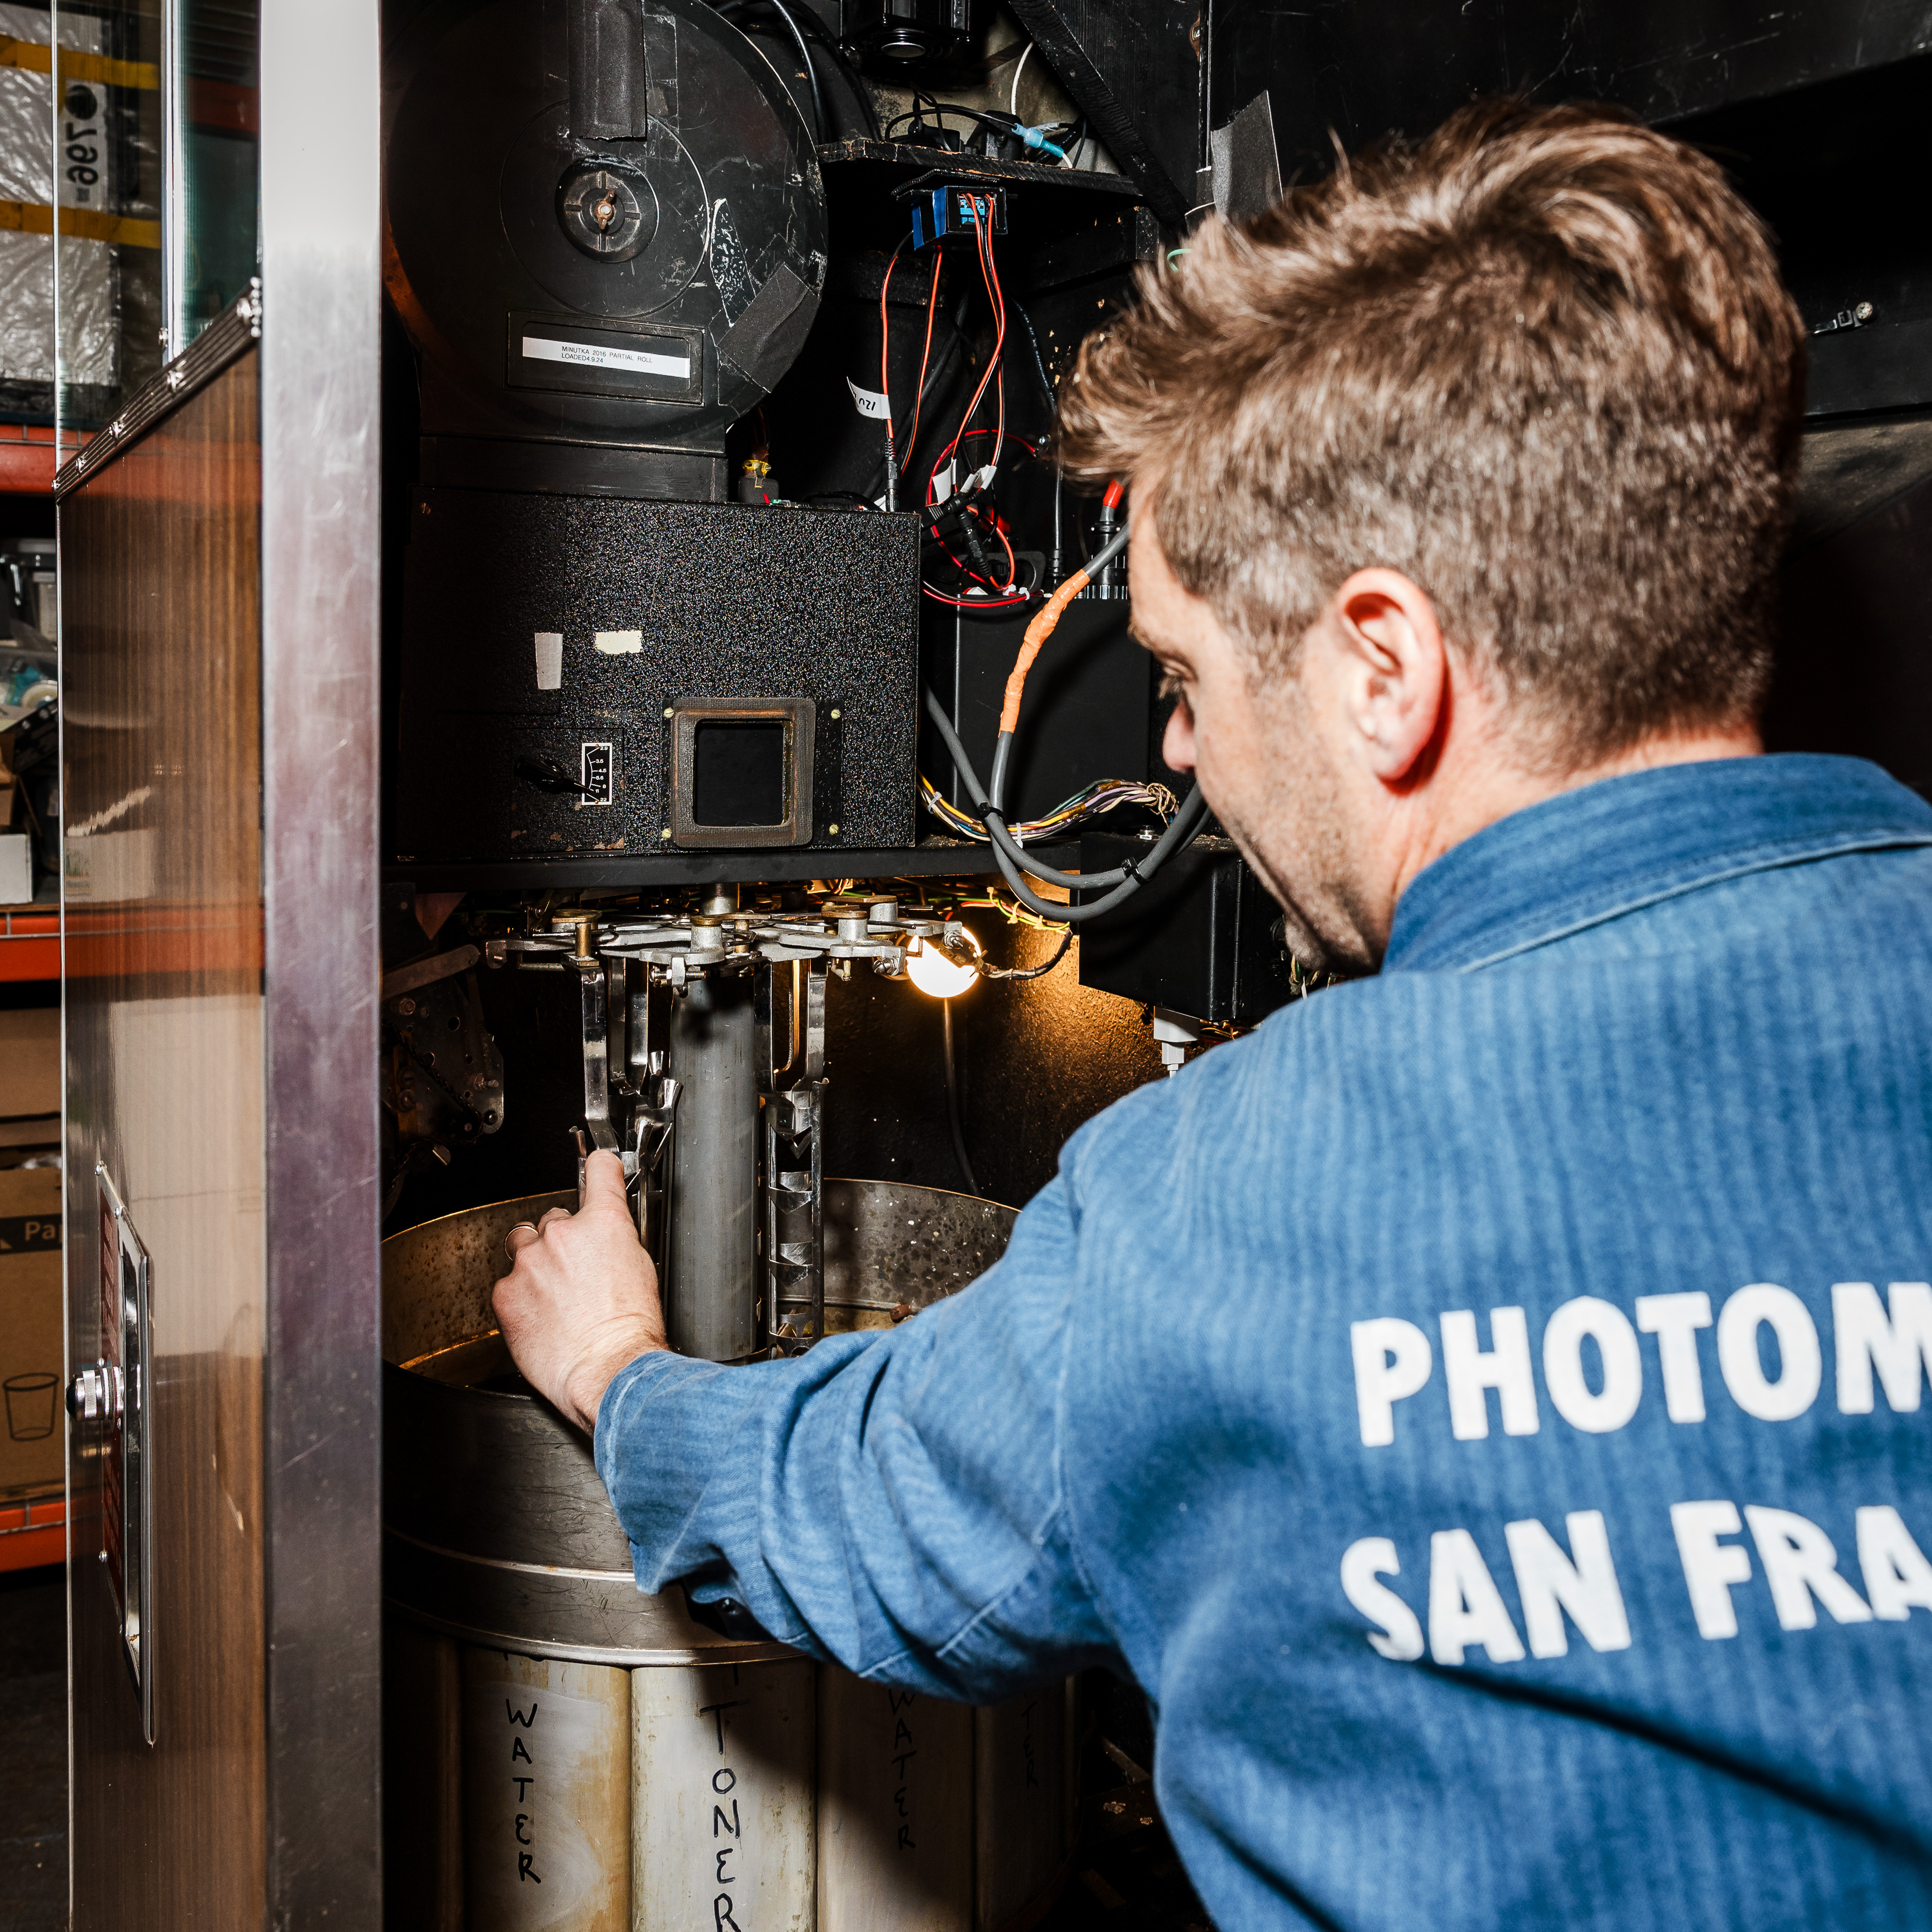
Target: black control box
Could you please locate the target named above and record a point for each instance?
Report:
(585, 676)
(1201, 938)
(1088, 708)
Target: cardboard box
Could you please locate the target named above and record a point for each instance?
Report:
(17, 864)
(32, 1345)
(30, 1063)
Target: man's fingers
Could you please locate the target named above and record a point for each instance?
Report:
(604, 1181)
(518, 1238)
(552, 1214)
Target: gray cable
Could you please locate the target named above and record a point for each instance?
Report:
(952, 1120)
(1181, 830)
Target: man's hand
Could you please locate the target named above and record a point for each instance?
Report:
(581, 1300)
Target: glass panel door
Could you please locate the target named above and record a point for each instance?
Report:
(102, 96)
(215, 241)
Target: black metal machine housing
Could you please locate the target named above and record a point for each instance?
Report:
(584, 676)
(606, 238)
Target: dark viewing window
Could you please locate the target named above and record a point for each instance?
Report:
(740, 774)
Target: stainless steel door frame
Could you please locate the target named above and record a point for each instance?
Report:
(321, 272)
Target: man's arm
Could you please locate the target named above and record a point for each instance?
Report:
(892, 1500)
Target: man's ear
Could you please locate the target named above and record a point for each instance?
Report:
(1395, 672)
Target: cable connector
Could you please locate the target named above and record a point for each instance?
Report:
(1036, 137)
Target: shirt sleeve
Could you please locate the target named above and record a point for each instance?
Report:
(892, 1500)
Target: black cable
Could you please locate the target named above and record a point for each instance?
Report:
(1031, 972)
(943, 365)
(819, 123)
(842, 61)
(1182, 830)
(816, 29)
(953, 1101)
(1039, 363)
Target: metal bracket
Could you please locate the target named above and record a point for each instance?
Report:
(793, 1173)
(124, 1391)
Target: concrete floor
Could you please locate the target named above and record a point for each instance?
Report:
(33, 1768)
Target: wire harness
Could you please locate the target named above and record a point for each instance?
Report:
(1118, 884)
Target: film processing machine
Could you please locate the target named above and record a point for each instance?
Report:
(722, 507)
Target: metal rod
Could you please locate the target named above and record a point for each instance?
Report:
(714, 1205)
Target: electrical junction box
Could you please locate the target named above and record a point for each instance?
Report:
(955, 213)
(583, 676)
(1201, 938)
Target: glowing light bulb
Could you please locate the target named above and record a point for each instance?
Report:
(931, 972)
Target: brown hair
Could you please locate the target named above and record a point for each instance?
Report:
(1542, 364)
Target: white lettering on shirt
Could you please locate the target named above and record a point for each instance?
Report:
(1469, 1369)
(1362, 1562)
(1800, 1563)
(1392, 1361)
(1466, 1610)
(1585, 1583)
(1712, 1569)
(1675, 1319)
(1898, 1577)
(1570, 1391)
(1863, 1338)
(1800, 1365)
(1592, 1360)
(1464, 1606)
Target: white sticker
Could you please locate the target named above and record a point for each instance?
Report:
(596, 779)
(616, 643)
(586, 354)
(869, 402)
(549, 660)
(942, 482)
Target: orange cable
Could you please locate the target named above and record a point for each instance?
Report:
(1037, 633)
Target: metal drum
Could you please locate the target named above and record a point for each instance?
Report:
(564, 1752)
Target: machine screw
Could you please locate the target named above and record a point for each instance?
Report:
(1864, 312)
(835, 711)
(832, 831)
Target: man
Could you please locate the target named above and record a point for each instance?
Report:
(1484, 1408)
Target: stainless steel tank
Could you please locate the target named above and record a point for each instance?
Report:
(565, 1752)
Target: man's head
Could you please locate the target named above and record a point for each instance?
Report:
(1459, 478)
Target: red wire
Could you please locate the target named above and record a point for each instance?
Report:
(1032, 449)
(886, 338)
(973, 603)
(919, 394)
(982, 215)
(992, 272)
(995, 373)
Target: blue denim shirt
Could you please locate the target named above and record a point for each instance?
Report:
(1477, 1407)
